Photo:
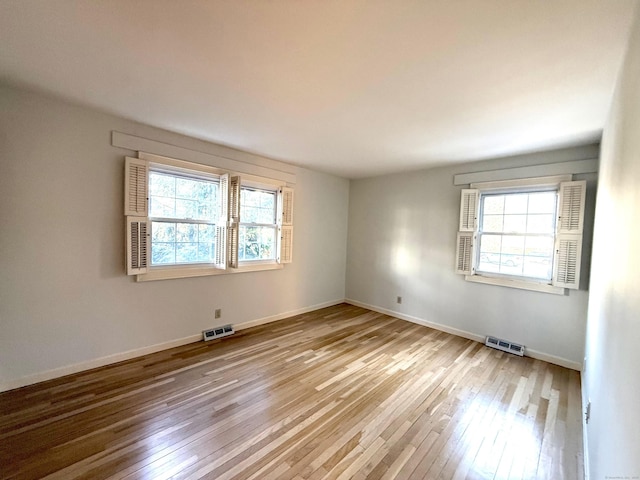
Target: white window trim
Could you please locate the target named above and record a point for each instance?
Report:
(170, 272)
(167, 272)
(515, 283)
(517, 185)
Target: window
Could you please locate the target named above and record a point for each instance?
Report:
(524, 234)
(183, 212)
(185, 219)
(258, 227)
(516, 234)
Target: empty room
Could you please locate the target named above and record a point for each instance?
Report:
(301, 239)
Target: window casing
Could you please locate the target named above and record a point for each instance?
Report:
(523, 234)
(186, 219)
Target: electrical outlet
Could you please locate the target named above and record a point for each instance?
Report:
(398, 299)
(218, 313)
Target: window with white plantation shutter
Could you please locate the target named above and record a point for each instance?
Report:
(136, 181)
(523, 234)
(184, 219)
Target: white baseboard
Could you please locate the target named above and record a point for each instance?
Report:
(95, 363)
(281, 316)
(563, 362)
(138, 352)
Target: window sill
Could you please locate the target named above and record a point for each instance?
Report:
(169, 273)
(520, 284)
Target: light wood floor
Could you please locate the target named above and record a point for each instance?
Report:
(342, 392)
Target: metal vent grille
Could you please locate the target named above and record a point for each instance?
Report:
(217, 332)
(505, 346)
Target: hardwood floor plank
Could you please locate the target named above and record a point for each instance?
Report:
(339, 393)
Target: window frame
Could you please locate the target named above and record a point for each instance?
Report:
(192, 174)
(139, 214)
(467, 255)
(483, 193)
(266, 188)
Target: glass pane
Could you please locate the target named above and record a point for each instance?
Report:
(515, 223)
(163, 253)
(492, 223)
(538, 260)
(172, 196)
(511, 255)
(257, 243)
(541, 223)
(516, 203)
(163, 207)
(163, 232)
(494, 204)
(491, 243)
(186, 232)
(257, 206)
(181, 242)
(542, 202)
(162, 185)
(186, 252)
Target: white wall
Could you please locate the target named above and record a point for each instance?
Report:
(402, 233)
(611, 378)
(64, 296)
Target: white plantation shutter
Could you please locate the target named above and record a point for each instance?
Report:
(285, 225)
(233, 232)
(467, 230)
(136, 203)
(136, 181)
(223, 219)
(468, 209)
(287, 205)
(464, 253)
(571, 206)
(137, 245)
(566, 268)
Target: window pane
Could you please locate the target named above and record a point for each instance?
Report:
(257, 206)
(492, 223)
(181, 242)
(542, 202)
(516, 203)
(538, 260)
(163, 253)
(541, 223)
(494, 204)
(257, 243)
(172, 196)
(515, 223)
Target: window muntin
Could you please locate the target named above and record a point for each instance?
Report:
(183, 211)
(258, 227)
(516, 234)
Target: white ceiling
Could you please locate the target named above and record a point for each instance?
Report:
(352, 87)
